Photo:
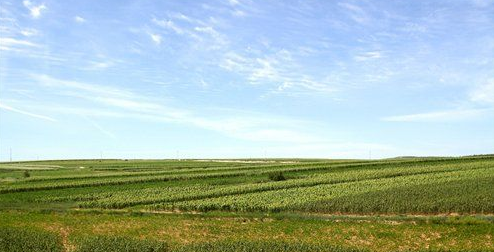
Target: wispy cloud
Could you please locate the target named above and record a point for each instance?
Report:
(183, 17)
(79, 19)
(9, 108)
(441, 116)
(99, 65)
(12, 42)
(239, 13)
(156, 38)
(99, 128)
(483, 93)
(218, 38)
(117, 102)
(34, 10)
(98, 90)
(28, 32)
(279, 70)
(355, 12)
(368, 56)
(199, 34)
(168, 24)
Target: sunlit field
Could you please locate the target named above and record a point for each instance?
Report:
(401, 204)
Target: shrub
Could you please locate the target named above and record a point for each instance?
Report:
(276, 176)
(26, 174)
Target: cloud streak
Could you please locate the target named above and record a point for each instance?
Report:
(117, 102)
(441, 116)
(22, 112)
(99, 128)
(483, 93)
(12, 42)
(278, 70)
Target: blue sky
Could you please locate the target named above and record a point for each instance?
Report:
(244, 78)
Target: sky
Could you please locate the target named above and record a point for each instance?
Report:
(246, 78)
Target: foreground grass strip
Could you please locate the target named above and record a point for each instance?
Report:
(271, 246)
(119, 244)
(15, 239)
(372, 233)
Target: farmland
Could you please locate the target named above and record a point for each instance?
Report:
(402, 204)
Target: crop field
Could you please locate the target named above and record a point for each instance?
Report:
(401, 204)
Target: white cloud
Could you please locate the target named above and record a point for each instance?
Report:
(79, 19)
(204, 35)
(30, 50)
(8, 108)
(441, 116)
(29, 32)
(7, 42)
(80, 86)
(218, 40)
(156, 38)
(100, 65)
(168, 24)
(204, 84)
(235, 62)
(99, 128)
(279, 70)
(35, 10)
(483, 93)
(264, 71)
(355, 12)
(183, 17)
(238, 13)
(368, 56)
(115, 102)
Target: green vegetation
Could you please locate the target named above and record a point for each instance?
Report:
(27, 239)
(248, 205)
(276, 176)
(119, 244)
(250, 246)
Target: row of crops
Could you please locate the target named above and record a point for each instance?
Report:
(132, 197)
(173, 171)
(309, 198)
(125, 178)
(433, 185)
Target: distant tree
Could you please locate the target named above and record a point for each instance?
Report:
(26, 174)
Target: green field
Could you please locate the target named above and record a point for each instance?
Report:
(401, 204)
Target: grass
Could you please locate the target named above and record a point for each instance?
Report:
(416, 204)
(177, 230)
(28, 239)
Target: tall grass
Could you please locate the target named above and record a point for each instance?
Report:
(14, 239)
